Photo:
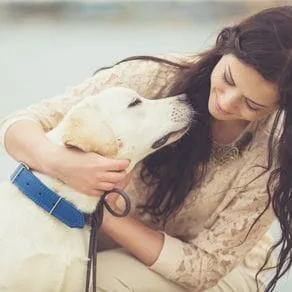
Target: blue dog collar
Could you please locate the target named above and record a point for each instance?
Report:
(55, 205)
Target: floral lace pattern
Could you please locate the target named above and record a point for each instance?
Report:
(207, 238)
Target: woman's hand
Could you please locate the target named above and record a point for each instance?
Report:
(124, 183)
(89, 173)
(115, 201)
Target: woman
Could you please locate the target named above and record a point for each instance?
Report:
(201, 207)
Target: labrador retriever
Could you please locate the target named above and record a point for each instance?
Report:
(41, 253)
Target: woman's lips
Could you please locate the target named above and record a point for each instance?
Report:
(219, 109)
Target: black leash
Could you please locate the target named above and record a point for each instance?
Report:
(95, 220)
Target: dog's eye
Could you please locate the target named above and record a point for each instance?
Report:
(135, 102)
(161, 141)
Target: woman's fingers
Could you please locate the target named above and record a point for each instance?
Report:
(94, 193)
(112, 177)
(115, 164)
(123, 183)
(90, 173)
(105, 186)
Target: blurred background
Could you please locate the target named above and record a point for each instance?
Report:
(47, 46)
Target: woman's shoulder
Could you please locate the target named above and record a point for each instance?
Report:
(270, 125)
(274, 123)
(258, 150)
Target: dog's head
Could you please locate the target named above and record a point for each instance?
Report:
(119, 123)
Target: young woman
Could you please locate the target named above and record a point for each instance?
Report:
(201, 207)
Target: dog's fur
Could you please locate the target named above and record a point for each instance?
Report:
(40, 253)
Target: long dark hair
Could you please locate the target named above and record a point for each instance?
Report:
(264, 42)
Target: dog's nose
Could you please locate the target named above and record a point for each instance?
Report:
(182, 97)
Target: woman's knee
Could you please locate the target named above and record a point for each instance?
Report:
(118, 271)
(113, 271)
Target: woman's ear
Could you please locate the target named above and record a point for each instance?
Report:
(87, 130)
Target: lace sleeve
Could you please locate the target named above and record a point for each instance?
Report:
(149, 78)
(201, 262)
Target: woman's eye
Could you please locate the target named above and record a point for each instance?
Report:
(161, 141)
(135, 102)
(226, 80)
(251, 107)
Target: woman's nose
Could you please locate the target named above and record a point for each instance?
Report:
(230, 100)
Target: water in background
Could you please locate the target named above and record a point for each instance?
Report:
(46, 48)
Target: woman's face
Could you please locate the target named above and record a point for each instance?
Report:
(238, 92)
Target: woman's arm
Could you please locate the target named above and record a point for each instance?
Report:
(88, 173)
(25, 141)
(199, 262)
(22, 133)
(148, 78)
(143, 242)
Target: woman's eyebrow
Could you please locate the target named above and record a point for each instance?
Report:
(250, 100)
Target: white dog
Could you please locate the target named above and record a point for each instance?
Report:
(39, 253)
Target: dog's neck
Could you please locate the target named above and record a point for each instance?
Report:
(83, 202)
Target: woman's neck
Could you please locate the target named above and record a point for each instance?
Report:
(226, 132)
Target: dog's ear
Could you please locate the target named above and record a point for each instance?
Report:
(86, 129)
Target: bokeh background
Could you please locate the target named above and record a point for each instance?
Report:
(47, 46)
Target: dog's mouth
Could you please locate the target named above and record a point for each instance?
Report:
(183, 130)
(162, 141)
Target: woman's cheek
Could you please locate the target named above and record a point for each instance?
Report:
(250, 116)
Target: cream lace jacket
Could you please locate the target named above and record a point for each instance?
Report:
(205, 240)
